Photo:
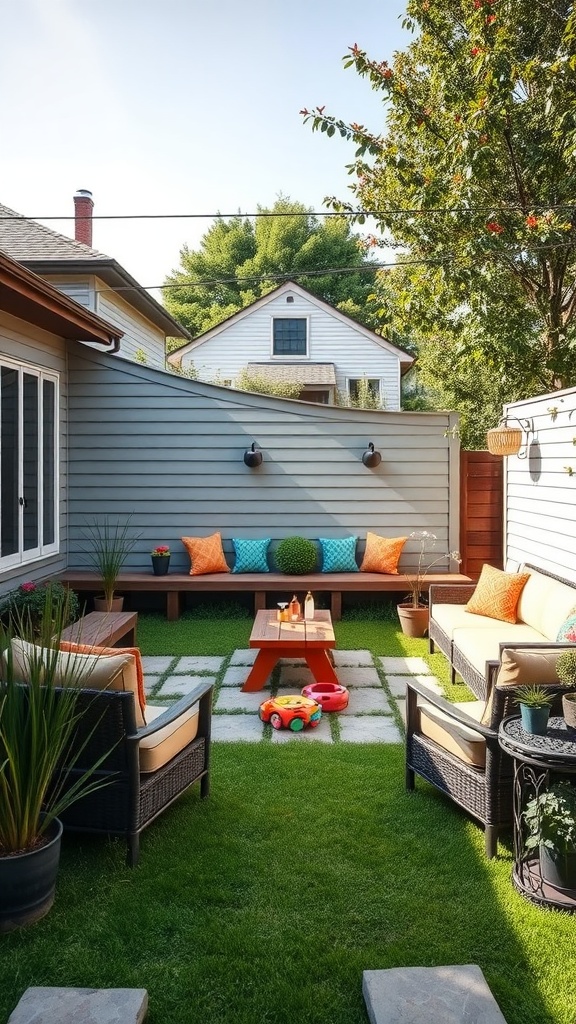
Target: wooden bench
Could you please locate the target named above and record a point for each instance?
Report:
(103, 629)
(267, 586)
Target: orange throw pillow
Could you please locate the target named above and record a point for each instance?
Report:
(382, 553)
(206, 554)
(67, 645)
(497, 594)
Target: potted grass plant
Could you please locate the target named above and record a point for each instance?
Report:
(535, 703)
(414, 613)
(108, 543)
(37, 727)
(551, 823)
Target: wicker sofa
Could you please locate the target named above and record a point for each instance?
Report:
(474, 643)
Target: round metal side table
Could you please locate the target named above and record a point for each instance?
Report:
(537, 761)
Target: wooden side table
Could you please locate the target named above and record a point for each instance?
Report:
(536, 760)
(311, 640)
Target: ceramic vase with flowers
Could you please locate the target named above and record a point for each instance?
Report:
(160, 560)
(414, 614)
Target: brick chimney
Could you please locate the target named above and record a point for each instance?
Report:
(83, 206)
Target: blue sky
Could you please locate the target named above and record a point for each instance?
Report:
(180, 106)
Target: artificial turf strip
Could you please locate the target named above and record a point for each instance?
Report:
(264, 903)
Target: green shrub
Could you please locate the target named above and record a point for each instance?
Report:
(566, 668)
(296, 556)
(28, 603)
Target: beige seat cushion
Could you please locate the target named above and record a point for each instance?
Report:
(525, 668)
(454, 616)
(545, 603)
(162, 746)
(115, 672)
(452, 735)
(481, 645)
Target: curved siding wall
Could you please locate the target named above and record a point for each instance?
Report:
(170, 450)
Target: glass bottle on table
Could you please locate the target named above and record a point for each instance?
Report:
(295, 609)
(309, 607)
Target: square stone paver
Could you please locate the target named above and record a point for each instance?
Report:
(320, 734)
(353, 658)
(291, 661)
(198, 664)
(234, 728)
(44, 1005)
(182, 684)
(234, 700)
(366, 700)
(295, 676)
(156, 664)
(369, 729)
(241, 657)
(405, 666)
(236, 675)
(359, 676)
(150, 682)
(397, 684)
(430, 995)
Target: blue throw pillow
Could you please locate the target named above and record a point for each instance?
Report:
(251, 555)
(338, 554)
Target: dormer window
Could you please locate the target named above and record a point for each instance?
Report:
(290, 336)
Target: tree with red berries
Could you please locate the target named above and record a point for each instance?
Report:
(474, 181)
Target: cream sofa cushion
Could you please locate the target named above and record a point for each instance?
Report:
(453, 736)
(454, 616)
(162, 746)
(94, 672)
(525, 668)
(481, 645)
(545, 603)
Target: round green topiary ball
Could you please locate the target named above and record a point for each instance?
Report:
(296, 556)
(566, 668)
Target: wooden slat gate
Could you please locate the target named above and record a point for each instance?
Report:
(481, 511)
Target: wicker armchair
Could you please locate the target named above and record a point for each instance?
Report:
(484, 790)
(133, 797)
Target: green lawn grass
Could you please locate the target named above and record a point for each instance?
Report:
(307, 865)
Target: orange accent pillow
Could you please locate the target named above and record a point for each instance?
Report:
(206, 554)
(67, 645)
(497, 594)
(382, 553)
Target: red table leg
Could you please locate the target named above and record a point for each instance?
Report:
(321, 666)
(261, 669)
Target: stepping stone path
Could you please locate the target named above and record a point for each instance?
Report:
(377, 695)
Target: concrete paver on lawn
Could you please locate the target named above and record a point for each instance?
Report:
(181, 684)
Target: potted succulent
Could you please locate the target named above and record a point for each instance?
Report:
(535, 703)
(551, 823)
(414, 613)
(160, 559)
(109, 543)
(566, 671)
(37, 726)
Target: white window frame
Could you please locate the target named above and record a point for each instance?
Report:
(22, 557)
(288, 356)
(371, 380)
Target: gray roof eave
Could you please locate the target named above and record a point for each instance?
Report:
(113, 274)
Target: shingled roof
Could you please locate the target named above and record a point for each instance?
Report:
(45, 252)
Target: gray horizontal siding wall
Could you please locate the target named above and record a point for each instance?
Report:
(170, 451)
(540, 493)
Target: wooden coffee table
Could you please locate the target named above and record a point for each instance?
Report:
(311, 640)
(103, 629)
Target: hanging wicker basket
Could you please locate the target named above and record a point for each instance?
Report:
(504, 440)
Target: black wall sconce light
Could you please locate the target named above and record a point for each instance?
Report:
(506, 439)
(253, 456)
(371, 458)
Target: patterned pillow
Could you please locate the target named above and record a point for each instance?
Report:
(382, 553)
(338, 554)
(567, 631)
(206, 554)
(497, 594)
(251, 555)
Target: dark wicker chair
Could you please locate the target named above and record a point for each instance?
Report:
(132, 799)
(485, 793)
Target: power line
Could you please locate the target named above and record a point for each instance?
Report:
(410, 211)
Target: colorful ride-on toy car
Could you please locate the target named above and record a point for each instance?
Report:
(290, 712)
(330, 696)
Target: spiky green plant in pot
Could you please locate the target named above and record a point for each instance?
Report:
(296, 556)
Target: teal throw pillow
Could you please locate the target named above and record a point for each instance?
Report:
(251, 555)
(338, 554)
(567, 631)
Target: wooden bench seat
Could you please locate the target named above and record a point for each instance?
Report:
(268, 586)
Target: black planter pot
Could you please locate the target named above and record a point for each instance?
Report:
(160, 564)
(558, 869)
(28, 882)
